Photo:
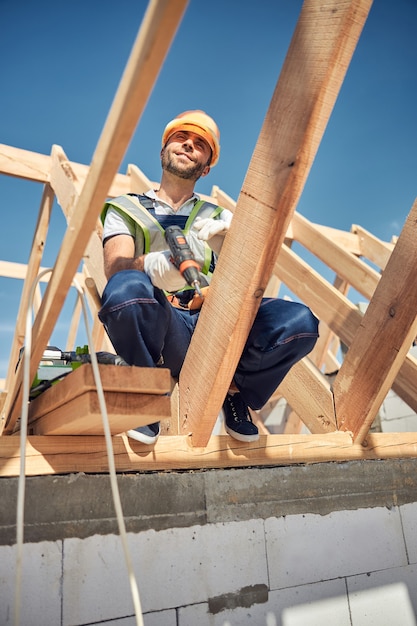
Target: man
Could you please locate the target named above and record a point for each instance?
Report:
(137, 303)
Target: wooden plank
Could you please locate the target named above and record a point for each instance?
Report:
(35, 166)
(383, 339)
(139, 182)
(32, 270)
(355, 271)
(293, 425)
(154, 38)
(114, 378)
(319, 54)
(327, 337)
(348, 241)
(330, 306)
(221, 198)
(19, 271)
(308, 392)
(82, 414)
(67, 190)
(9, 269)
(373, 248)
(341, 315)
(67, 454)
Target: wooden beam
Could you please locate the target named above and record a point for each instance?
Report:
(67, 189)
(19, 271)
(10, 269)
(327, 337)
(221, 198)
(373, 248)
(68, 454)
(35, 166)
(154, 38)
(308, 392)
(341, 315)
(313, 72)
(382, 340)
(355, 271)
(32, 270)
(347, 241)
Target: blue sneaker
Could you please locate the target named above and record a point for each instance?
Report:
(145, 434)
(237, 420)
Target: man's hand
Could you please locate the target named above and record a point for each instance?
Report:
(162, 272)
(212, 231)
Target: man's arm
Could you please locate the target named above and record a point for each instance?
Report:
(119, 254)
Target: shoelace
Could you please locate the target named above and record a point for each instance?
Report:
(247, 417)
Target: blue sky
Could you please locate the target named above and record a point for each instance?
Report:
(62, 62)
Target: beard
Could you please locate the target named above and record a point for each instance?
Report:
(188, 171)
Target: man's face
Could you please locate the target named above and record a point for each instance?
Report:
(186, 155)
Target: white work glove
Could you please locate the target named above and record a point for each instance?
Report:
(162, 272)
(212, 231)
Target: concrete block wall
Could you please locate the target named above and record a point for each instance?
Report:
(255, 554)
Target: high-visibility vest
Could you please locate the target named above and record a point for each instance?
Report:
(138, 208)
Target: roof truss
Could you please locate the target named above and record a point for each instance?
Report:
(266, 222)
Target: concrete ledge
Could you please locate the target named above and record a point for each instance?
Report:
(81, 505)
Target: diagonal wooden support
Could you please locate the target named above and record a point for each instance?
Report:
(152, 43)
(319, 54)
(355, 271)
(373, 248)
(382, 341)
(32, 270)
(341, 315)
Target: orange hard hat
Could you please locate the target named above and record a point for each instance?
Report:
(199, 123)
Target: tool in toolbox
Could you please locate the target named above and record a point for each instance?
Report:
(56, 364)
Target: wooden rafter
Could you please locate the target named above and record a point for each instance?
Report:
(382, 340)
(319, 54)
(152, 43)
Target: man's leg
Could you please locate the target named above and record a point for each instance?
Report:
(143, 326)
(145, 330)
(282, 334)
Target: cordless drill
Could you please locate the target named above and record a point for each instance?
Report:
(183, 258)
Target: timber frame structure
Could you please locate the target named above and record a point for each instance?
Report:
(65, 429)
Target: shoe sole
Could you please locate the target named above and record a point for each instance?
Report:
(148, 441)
(240, 437)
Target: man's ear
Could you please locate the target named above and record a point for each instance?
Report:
(206, 170)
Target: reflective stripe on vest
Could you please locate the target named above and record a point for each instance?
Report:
(153, 233)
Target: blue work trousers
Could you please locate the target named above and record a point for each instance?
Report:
(146, 330)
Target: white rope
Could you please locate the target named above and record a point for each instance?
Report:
(109, 448)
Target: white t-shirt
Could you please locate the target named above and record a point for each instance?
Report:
(114, 224)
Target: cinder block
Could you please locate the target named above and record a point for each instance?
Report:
(270, 613)
(173, 567)
(326, 603)
(326, 611)
(382, 606)
(40, 584)
(396, 408)
(309, 548)
(405, 424)
(409, 519)
(395, 591)
(159, 618)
